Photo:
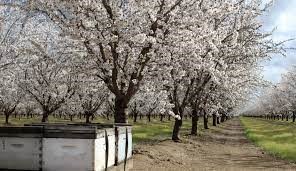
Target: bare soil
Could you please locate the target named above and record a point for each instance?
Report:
(222, 148)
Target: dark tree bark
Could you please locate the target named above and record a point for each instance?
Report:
(149, 117)
(218, 119)
(87, 118)
(161, 118)
(178, 123)
(223, 117)
(108, 117)
(214, 119)
(177, 126)
(6, 119)
(294, 116)
(282, 117)
(205, 121)
(45, 117)
(194, 120)
(135, 116)
(120, 110)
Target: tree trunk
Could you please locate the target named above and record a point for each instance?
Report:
(161, 118)
(6, 119)
(177, 126)
(205, 121)
(87, 118)
(45, 117)
(71, 118)
(120, 111)
(135, 116)
(282, 117)
(214, 119)
(194, 120)
(218, 120)
(223, 118)
(149, 117)
(294, 116)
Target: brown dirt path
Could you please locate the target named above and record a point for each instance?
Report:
(223, 148)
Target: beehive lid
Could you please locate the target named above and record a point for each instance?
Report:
(22, 132)
(44, 124)
(97, 125)
(72, 132)
(122, 124)
(101, 125)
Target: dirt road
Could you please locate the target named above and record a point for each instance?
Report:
(222, 148)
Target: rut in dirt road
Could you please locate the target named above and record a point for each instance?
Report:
(221, 148)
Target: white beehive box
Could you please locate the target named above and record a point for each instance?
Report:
(111, 146)
(62, 147)
(20, 148)
(122, 143)
(110, 132)
(68, 148)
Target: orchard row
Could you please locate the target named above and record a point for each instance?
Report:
(128, 56)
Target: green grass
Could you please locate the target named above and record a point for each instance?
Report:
(276, 137)
(143, 131)
(155, 130)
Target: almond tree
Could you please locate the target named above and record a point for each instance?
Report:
(47, 77)
(90, 97)
(49, 85)
(10, 38)
(120, 36)
(150, 100)
(276, 100)
(10, 94)
(204, 52)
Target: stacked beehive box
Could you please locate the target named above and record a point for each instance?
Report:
(64, 147)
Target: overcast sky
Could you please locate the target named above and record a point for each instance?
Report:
(282, 16)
